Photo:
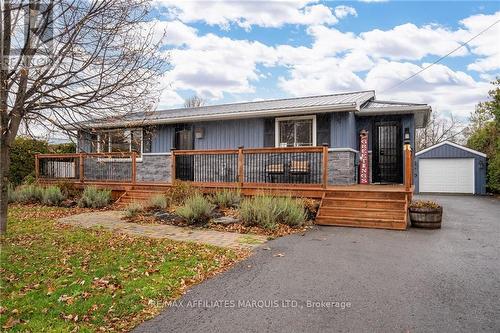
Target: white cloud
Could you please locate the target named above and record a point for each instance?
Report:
(343, 11)
(246, 14)
(213, 66)
(486, 45)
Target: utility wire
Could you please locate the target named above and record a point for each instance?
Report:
(446, 55)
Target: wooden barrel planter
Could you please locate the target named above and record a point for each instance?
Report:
(426, 217)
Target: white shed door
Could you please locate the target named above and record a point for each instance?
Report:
(446, 175)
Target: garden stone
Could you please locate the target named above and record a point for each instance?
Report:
(166, 216)
(68, 203)
(225, 220)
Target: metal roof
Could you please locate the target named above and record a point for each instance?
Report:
(386, 104)
(354, 98)
(363, 101)
(374, 107)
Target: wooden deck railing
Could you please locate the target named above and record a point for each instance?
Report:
(87, 167)
(265, 167)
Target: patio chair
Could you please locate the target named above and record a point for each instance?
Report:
(274, 170)
(300, 168)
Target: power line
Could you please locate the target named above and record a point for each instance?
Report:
(446, 55)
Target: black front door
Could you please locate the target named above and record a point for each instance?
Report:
(184, 164)
(387, 152)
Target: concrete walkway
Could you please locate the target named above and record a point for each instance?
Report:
(113, 220)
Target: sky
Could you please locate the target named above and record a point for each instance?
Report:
(228, 51)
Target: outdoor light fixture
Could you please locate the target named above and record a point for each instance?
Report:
(407, 136)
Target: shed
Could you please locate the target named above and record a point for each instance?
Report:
(450, 168)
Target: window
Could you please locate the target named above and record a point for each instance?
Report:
(296, 131)
(120, 140)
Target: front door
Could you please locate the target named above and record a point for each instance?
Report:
(184, 164)
(387, 152)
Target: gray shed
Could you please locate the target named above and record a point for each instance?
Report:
(450, 168)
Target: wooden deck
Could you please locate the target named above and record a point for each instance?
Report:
(370, 206)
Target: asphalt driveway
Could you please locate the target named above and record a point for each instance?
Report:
(358, 280)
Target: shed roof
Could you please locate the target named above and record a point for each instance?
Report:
(450, 144)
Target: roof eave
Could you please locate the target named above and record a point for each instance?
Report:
(347, 107)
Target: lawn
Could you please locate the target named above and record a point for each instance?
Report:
(60, 278)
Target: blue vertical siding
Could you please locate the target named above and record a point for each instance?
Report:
(163, 139)
(231, 134)
(449, 151)
(343, 130)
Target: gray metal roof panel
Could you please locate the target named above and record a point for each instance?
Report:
(278, 104)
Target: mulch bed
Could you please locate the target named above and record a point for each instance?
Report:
(148, 217)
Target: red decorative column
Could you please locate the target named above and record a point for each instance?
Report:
(364, 177)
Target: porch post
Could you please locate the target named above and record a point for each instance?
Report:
(81, 168)
(172, 164)
(240, 166)
(134, 167)
(325, 165)
(37, 167)
(408, 167)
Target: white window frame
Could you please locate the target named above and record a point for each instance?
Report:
(277, 128)
(99, 147)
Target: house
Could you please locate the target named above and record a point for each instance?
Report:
(447, 167)
(305, 145)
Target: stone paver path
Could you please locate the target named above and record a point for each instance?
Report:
(113, 220)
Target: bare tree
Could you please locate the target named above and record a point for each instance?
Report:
(194, 102)
(67, 61)
(439, 129)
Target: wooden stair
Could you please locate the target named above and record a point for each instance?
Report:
(383, 209)
(139, 195)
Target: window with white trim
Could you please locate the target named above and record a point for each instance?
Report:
(296, 131)
(120, 140)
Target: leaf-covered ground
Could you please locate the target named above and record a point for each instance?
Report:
(59, 278)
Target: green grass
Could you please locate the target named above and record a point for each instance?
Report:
(60, 278)
(249, 239)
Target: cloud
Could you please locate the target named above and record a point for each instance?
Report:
(343, 11)
(245, 14)
(486, 45)
(214, 66)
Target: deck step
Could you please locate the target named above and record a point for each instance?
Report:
(362, 222)
(386, 209)
(137, 195)
(364, 203)
(362, 212)
(366, 194)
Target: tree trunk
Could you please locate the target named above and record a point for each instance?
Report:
(4, 181)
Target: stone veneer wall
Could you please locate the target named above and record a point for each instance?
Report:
(96, 168)
(341, 167)
(155, 168)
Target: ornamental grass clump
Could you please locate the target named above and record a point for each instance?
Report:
(226, 198)
(158, 201)
(29, 193)
(52, 196)
(259, 211)
(11, 194)
(196, 209)
(267, 211)
(93, 197)
(290, 211)
(133, 209)
(180, 191)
